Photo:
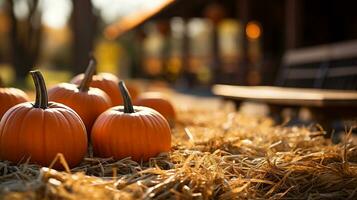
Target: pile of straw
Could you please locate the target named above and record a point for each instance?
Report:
(216, 154)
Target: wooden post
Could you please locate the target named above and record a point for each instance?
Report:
(292, 23)
(243, 16)
(189, 78)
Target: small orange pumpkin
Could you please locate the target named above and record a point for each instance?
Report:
(158, 102)
(41, 130)
(128, 130)
(88, 102)
(10, 97)
(109, 84)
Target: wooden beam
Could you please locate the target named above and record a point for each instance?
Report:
(134, 19)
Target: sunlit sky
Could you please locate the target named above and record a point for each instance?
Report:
(56, 13)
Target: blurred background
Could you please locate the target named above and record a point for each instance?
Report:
(188, 44)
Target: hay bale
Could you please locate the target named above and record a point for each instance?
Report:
(217, 154)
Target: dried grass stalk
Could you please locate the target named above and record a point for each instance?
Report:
(216, 155)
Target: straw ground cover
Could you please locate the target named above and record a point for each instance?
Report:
(217, 154)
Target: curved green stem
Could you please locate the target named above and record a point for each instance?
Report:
(128, 105)
(41, 91)
(88, 75)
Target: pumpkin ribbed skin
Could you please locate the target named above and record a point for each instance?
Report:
(141, 135)
(40, 130)
(109, 84)
(10, 97)
(159, 103)
(88, 105)
(123, 131)
(26, 132)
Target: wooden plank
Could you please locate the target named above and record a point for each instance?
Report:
(289, 96)
(321, 53)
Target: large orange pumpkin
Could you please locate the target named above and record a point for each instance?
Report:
(88, 102)
(40, 130)
(135, 131)
(109, 84)
(10, 97)
(158, 102)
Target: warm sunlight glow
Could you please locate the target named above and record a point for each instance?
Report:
(56, 13)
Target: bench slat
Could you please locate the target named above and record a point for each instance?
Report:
(289, 96)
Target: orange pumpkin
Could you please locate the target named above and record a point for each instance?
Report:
(41, 129)
(88, 102)
(109, 84)
(10, 97)
(128, 130)
(133, 90)
(158, 102)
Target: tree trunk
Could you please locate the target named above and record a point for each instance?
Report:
(25, 39)
(83, 27)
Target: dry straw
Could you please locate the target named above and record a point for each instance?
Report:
(216, 155)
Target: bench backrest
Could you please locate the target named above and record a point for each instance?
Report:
(332, 66)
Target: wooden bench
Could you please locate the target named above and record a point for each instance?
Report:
(331, 66)
(323, 79)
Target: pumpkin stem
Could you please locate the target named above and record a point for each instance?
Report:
(92, 57)
(128, 105)
(90, 71)
(1, 82)
(41, 91)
